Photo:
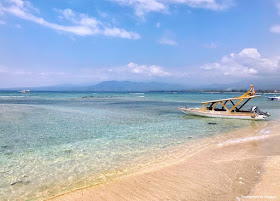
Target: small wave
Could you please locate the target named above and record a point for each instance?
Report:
(242, 140)
(12, 96)
(141, 96)
(264, 131)
(136, 93)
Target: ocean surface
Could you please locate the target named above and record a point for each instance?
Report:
(53, 142)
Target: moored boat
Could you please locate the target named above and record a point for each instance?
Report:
(274, 98)
(210, 109)
(24, 91)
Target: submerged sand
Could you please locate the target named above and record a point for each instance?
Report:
(241, 165)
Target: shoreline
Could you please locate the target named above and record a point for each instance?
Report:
(174, 176)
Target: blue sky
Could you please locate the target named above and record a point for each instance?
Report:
(191, 42)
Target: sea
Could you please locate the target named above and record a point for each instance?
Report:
(56, 142)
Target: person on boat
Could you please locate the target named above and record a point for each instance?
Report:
(252, 90)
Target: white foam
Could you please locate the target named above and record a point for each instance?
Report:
(242, 140)
(12, 96)
(264, 131)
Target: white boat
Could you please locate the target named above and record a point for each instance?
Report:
(274, 98)
(24, 91)
(210, 109)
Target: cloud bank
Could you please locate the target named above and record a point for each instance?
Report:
(130, 72)
(81, 24)
(247, 64)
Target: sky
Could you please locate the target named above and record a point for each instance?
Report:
(189, 42)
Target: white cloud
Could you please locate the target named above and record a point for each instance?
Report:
(211, 45)
(206, 4)
(250, 53)
(167, 41)
(141, 7)
(275, 29)
(121, 33)
(2, 22)
(152, 70)
(82, 24)
(68, 14)
(131, 71)
(246, 64)
(11, 77)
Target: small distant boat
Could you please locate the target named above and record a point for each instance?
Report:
(274, 98)
(24, 91)
(210, 109)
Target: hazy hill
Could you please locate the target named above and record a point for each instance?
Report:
(127, 86)
(109, 86)
(116, 86)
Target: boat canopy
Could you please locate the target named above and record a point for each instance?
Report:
(211, 105)
(228, 99)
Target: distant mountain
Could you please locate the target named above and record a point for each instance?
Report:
(109, 86)
(127, 86)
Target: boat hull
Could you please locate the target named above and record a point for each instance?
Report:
(222, 114)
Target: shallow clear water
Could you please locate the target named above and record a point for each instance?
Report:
(51, 142)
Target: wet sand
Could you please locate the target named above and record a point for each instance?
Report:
(241, 165)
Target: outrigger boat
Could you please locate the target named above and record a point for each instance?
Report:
(210, 109)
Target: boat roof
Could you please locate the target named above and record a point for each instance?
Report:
(228, 99)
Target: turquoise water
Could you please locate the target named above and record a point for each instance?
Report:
(51, 142)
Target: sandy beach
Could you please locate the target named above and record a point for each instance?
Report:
(239, 165)
(139, 100)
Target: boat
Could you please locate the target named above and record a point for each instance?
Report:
(24, 91)
(212, 109)
(274, 98)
